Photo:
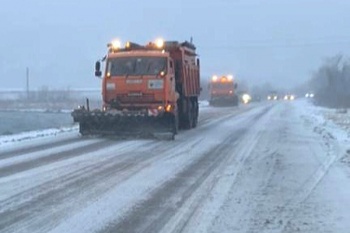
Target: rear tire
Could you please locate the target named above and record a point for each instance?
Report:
(188, 121)
(195, 113)
(175, 124)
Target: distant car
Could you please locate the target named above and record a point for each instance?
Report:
(309, 95)
(272, 97)
(289, 97)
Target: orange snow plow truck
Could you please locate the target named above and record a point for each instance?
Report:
(223, 91)
(146, 89)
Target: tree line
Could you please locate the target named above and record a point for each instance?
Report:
(331, 83)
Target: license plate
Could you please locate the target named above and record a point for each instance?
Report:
(133, 81)
(135, 94)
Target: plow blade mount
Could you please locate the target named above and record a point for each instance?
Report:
(125, 125)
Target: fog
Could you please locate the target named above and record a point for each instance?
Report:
(275, 42)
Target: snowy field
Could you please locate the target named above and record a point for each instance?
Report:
(268, 167)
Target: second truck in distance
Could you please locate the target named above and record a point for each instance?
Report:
(222, 91)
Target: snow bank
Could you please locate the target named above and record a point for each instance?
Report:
(333, 125)
(39, 110)
(27, 136)
(336, 123)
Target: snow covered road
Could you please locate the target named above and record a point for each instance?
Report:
(259, 168)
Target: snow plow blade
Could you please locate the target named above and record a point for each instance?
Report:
(130, 124)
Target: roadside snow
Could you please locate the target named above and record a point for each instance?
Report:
(330, 121)
(28, 136)
(40, 110)
(332, 124)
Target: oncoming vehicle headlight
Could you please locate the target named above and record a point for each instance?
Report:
(246, 98)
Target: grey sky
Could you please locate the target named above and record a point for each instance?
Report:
(280, 41)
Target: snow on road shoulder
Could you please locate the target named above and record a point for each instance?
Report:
(28, 137)
(333, 125)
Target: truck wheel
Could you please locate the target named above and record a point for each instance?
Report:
(195, 113)
(188, 119)
(175, 124)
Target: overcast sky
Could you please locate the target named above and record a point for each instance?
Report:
(277, 41)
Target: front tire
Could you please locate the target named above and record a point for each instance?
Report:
(176, 124)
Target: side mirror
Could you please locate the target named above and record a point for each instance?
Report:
(98, 72)
(236, 85)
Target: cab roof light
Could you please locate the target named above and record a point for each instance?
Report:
(132, 45)
(159, 43)
(230, 77)
(114, 45)
(223, 79)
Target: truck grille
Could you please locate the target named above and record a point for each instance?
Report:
(144, 98)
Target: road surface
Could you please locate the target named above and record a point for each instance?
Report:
(256, 168)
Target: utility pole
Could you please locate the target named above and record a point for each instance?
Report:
(27, 82)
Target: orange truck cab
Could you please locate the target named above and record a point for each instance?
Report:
(222, 90)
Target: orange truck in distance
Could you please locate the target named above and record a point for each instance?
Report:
(222, 91)
(146, 89)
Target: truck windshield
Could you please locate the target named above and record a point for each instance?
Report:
(136, 66)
